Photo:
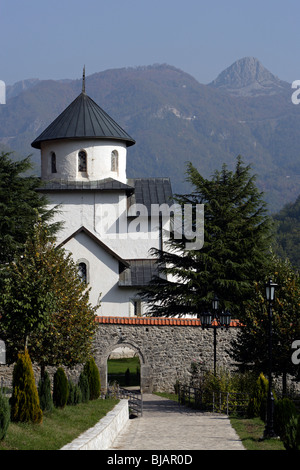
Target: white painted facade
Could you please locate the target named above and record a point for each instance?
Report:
(105, 214)
(83, 166)
(98, 165)
(102, 277)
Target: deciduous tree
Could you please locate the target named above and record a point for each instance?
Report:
(45, 306)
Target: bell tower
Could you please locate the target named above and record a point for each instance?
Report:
(83, 144)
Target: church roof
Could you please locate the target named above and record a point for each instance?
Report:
(107, 184)
(87, 232)
(83, 119)
(139, 273)
(148, 191)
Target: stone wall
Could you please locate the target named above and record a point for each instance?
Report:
(166, 348)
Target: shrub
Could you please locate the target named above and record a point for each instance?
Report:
(4, 416)
(284, 410)
(60, 388)
(92, 373)
(291, 434)
(257, 403)
(44, 390)
(75, 396)
(84, 387)
(25, 403)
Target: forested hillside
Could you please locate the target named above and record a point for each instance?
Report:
(288, 232)
(175, 119)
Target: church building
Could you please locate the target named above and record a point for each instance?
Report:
(111, 222)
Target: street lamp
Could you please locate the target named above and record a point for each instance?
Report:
(215, 303)
(270, 296)
(215, 321)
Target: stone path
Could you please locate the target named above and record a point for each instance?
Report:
(167, 426)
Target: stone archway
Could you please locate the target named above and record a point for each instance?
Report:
(145, 370)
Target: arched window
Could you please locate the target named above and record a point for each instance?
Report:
(53, 162)
(114, 161)
(82, 271)
(82, 161)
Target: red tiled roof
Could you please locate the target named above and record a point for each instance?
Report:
(163, 321)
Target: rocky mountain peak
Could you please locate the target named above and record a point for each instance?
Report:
(248, 77)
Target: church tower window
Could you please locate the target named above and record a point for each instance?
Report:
(114, 161)
(82, 161)
(53, 162)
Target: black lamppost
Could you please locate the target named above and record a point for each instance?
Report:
(270, 296)
(217, 320)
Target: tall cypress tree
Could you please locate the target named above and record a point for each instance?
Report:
(20, 203)
(237, 237)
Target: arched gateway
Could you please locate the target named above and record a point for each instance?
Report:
(166, 347)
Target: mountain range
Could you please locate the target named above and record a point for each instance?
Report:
(174, 119)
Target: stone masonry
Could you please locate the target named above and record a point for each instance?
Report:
(166, 348)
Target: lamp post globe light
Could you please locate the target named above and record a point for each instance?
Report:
(270, 296)
(215, 320)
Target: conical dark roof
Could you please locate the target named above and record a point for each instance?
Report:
(83, 118)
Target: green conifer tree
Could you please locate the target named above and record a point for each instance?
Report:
(25, 403)
(237, 237)
(44, 389)
(60, 388)
(92, 373)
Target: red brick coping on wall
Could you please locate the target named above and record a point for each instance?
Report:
(161, 321)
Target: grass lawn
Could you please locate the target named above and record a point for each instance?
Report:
(58, 428)
(250, 431)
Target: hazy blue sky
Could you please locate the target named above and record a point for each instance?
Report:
(54, 39)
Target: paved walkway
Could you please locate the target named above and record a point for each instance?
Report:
(167, 426)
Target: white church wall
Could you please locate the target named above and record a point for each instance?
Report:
(103, 277)
(105, 215)
(99, 160)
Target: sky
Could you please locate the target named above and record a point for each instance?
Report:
(55, 39)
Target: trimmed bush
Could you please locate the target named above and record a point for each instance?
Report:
(257, 403)
(84, 387)
(91, 371)
(75, 396)
(25, 403)
(284, 410)
(60, 388)
(291, 437)
(44, 390)
(4, 416)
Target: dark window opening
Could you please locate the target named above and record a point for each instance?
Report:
(82, 164)
(53, 162)
(137, 306)
(82, 271)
